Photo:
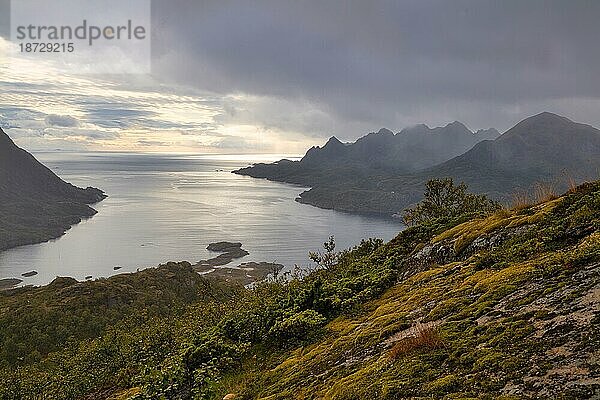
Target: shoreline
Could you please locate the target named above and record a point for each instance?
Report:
(385, 216)
(245, 273)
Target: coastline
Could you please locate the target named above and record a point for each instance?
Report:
(243, 274)
(77, 213)
(302, 198)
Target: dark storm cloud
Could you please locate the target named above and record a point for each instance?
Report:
(114, 115)
(304, 70)
(389, 63)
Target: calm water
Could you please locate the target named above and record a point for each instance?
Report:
(170, 207)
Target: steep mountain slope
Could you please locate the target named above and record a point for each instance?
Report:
(35, 204)
(506, 306)
(544, 148)
(383, 152)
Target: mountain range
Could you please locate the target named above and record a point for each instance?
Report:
(381, 152)
(544, 149)
(35, 204)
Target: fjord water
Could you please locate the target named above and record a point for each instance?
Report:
(169, 207)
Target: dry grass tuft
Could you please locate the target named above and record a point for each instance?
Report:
(544, 192)
(501, 213)
(424, 337)
(520, 201)
(572, 184)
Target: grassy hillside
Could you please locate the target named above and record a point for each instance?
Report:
(508, 305)
(35, 321)
(502, 306)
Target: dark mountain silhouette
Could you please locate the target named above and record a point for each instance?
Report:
(544, 149)
(382, 152)
(333, 152)
(542, 145)
(35, 204)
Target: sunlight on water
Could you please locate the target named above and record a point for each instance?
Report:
(170, 207)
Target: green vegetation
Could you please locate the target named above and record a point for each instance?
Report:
(37, 321)
(329, 257)
(443, 201)
(502, 306)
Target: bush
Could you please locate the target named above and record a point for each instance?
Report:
(445, 201)
(328, 258)
(298, 328)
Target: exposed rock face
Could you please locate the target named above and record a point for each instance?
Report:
(567, 321)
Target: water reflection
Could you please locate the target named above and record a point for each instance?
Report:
(170, 207)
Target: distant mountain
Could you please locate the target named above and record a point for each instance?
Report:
(544, 148)
(35, 204)
(538, 147)
(383, 152)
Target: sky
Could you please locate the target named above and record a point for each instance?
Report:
(280, 76)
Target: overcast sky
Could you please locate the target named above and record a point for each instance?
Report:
(278, 76)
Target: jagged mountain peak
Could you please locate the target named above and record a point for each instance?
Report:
(424, 129)
(412, 149)
(415, 129)
(333, 141)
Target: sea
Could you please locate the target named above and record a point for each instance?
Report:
(169, 207)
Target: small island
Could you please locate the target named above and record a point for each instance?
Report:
(245, 273)
(230, 251)
(9, 283)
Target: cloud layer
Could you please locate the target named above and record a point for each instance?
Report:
(279, 75)
(390, 63)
